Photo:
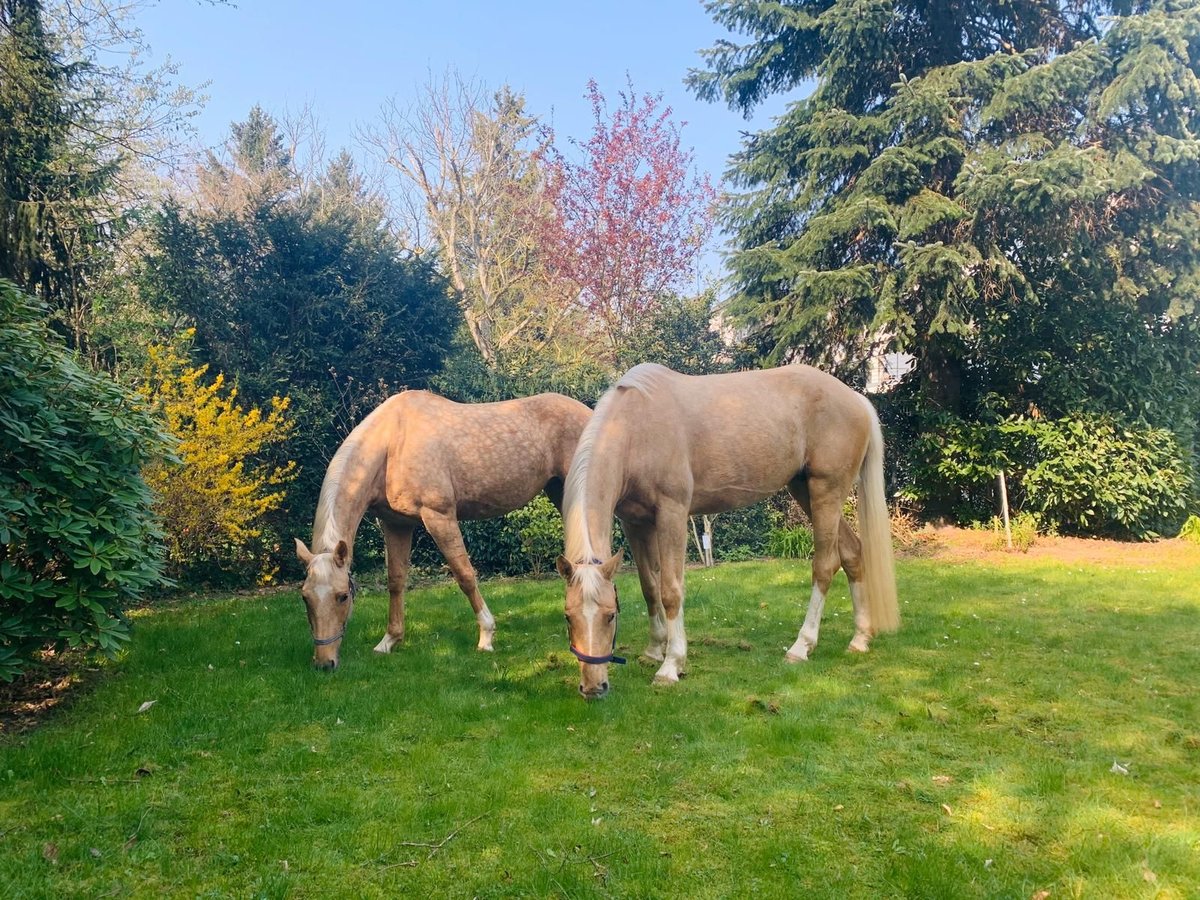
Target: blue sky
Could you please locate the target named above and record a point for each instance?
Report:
(346, 59)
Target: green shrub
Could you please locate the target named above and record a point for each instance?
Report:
(540, 528)
(78, 539)
(1024, 530)
(1083, 474)
(791, 543)
(1191, 530)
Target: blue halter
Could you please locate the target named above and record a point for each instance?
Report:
(609, 657)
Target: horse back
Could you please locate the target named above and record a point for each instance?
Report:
(729, 440)
(478, 459)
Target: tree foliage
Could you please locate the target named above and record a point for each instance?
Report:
(631, 217)
(79, 139)
(1084, 474)
(296, 287)
(1009, 192)
(212, 497)
(78, 538)
(472, 162)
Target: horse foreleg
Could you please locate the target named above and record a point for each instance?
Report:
(670, 538)
(443, 528)
(645, 554)
(398, 541)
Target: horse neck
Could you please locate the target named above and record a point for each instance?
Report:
(350, 486)
(589, 502)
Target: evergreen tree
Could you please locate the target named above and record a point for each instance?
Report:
(298, 289)
(1009, 192)
(55, 219)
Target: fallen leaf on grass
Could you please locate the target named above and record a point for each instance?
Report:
(145, 706)
(942, 779)
(50, 852)
(1119, 769)
(946, 809)
(1040, 895)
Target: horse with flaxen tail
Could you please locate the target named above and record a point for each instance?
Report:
(662, 446)
(422, 459)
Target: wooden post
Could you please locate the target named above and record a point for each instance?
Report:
(706, 539)
(1004, 510)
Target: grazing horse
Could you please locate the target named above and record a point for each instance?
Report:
(662, 446)
(422, 459)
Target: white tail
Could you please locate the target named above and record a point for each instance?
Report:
(875, 529)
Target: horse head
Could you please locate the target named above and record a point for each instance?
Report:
(591, 610)
(328, 593)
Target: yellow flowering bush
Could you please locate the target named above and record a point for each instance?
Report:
(213, 497)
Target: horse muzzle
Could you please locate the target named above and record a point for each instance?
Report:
(595, 692)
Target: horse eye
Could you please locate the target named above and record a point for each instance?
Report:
(343, 597)
(612, 618)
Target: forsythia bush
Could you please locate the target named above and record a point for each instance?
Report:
(213, 497)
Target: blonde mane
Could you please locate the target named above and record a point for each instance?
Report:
(325, 526)
(578, 541)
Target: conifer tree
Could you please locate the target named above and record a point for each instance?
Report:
(1008, 192)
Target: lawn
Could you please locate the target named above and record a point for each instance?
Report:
(1034, 727)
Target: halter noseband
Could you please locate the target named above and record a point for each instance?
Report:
(609, 657)
(324, 642)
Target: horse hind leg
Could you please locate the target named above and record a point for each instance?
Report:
(822, 500)
(444, 530)
(398, 540)
(850, 550)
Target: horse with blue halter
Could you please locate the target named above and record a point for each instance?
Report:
(422, 459)
(662, 446)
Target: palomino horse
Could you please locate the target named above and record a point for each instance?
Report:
(422, 459)
(661, 446)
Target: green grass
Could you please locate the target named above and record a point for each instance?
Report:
(969, 755)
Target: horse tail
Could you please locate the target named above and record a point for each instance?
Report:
(876, 532)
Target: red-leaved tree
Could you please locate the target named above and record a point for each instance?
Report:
(631, 218)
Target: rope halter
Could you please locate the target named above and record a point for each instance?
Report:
(610, 656)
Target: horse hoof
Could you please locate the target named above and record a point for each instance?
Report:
(386, 645)
(795, 657)
(665, 680)
(857, 646)
(488, 649)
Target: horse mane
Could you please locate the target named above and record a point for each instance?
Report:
(579, 547)
(325, 530)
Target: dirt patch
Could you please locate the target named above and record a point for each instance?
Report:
(49, 684)
(960, 544)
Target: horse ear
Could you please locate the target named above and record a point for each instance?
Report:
(609, 569)
(302, 552)
(565, 569)
(341, 553)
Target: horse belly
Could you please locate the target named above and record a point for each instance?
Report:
(487, 497)
(745, 469)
